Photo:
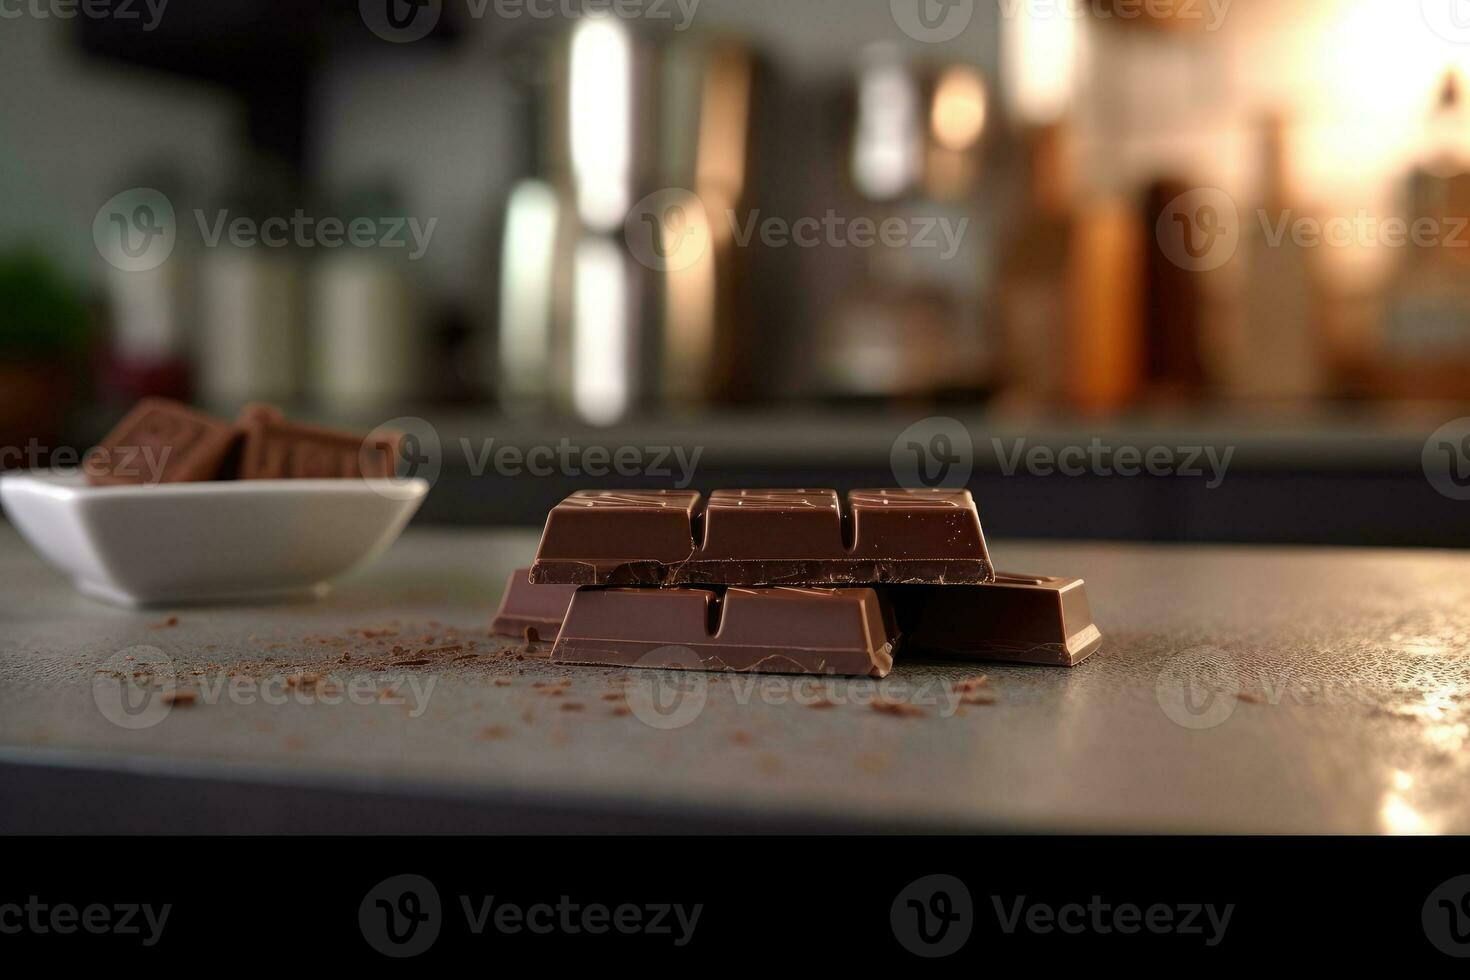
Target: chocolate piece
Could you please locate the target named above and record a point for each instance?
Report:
(162, 441)
(532, 612)
(763, 537)
(1017, 618)
(774, 631)
(277, 449)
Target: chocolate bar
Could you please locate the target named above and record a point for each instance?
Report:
(531, 612)
(162, 441)
(277, 449)
(765, 630)
(1018, 618)
(763, 537)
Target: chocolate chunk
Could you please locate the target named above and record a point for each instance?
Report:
(1017, 618)
(531, 612)
(277, 449)
(769, 630)
(162, 441)
(763, 537)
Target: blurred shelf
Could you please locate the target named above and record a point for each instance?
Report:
(863, 437)
(1325, 477)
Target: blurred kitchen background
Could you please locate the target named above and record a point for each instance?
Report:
(785, 232)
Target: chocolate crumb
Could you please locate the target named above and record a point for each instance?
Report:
(1250, 697)
(179, 697)
(898, 709)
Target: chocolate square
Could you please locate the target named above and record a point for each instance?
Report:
(162, 441)
(276, 449)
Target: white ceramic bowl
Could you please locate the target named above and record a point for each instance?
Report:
(177, 543)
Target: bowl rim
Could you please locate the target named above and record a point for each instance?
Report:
(68, 485)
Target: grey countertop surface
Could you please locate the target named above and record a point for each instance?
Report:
(1238, 690)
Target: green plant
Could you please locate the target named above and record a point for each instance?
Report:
(41, 313)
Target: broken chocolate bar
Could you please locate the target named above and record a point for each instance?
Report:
(277, 449)
(162, 441)
(1017, 618)
(775, 631)
(531, 612)
(763, 537)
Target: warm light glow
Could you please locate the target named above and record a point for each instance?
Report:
(1434, 704)
(1380, 57)
(724, 121)
(690, 295)
(1039, 54)
(958, 117)
(601, 385)
(526, 271)
(887, 150)
(1397, 814)
(1374, 69)
(1398, 817)
(601, 120)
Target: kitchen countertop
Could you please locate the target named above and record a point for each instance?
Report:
(1238, 690)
